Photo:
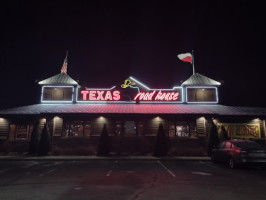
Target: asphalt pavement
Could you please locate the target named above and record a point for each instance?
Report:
(127, 179)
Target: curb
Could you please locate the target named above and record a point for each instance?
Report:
(83, 158)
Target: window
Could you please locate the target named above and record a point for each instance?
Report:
(87, 129)
(140, 130)
(130, 129)
(201, 95)
(118, 128)
(57, 93)
(227, 145)
(182, 131)
(172, 132)
(221, 145)
(22, 132)
(57, 127)
(73, 129)
(77, 129)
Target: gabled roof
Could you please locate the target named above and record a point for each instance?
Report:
(200, 80)
(59, 79)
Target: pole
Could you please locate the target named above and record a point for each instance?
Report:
(193, 62)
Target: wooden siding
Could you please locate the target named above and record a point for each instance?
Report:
(4, 124)
(152, 126)
(208, 125)
(98, 124)
(201, 126)
(262, 128)
(57, 126)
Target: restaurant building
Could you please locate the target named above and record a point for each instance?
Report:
(132, 112)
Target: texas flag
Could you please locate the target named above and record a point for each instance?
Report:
(186, 57)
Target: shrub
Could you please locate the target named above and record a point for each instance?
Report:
(213, 139)
(5, 147)
(161, 143)
(57, 151)
(223, 134)
(45, 142)
(145, 146)
(34, 139)
(104, 143)
(21, 147)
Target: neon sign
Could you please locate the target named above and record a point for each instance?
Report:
(157, 96)
(129, 91)
(127, 83)
(100, 95)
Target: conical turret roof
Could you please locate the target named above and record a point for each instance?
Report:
(59, 79)
(198, 79)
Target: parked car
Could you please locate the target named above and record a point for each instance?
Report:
(237, 152)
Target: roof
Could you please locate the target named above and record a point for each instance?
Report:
(59, 79)
(134, 109)
(200, 80)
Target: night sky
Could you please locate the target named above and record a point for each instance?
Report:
(109, 41)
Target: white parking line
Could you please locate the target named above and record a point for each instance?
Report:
(202, 173)
(63, 165)
(30, 164)
(216, 167)
(50, 171)
(111, 170)
(168, 170)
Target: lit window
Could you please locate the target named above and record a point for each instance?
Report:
(182, 131)
(22, 131)
(140, 128)
(202, 95)
(73, 129)
(87, 129)
(57, 93)
(185, 130)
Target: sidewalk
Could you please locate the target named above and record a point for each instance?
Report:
(25, 157)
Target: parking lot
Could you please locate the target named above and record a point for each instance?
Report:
(128, 179)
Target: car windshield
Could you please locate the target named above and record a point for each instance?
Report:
(247, 145)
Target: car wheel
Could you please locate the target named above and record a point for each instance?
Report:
(232, 163)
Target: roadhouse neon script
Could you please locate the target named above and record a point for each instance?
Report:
(157, 96)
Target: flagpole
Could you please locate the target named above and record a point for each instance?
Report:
(193, 62)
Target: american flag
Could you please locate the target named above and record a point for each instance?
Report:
(64, 67)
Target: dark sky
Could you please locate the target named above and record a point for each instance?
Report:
(111, 40)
